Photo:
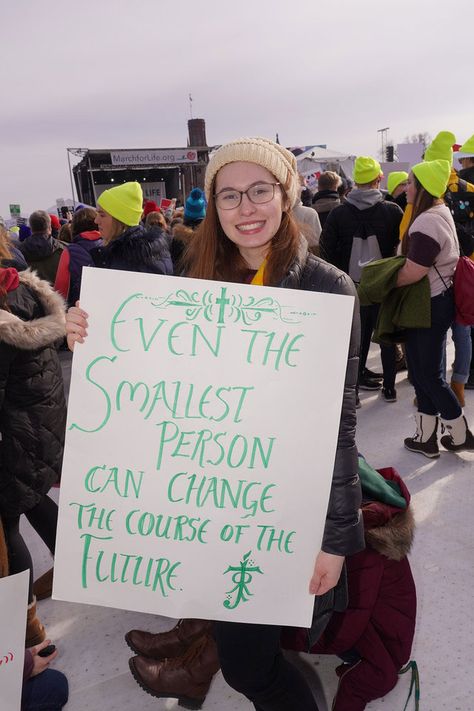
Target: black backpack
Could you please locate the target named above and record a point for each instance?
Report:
(461, 206)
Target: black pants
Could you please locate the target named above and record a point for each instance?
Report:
(43, 518)
(253, 664)
(425, 349)
(368, 321)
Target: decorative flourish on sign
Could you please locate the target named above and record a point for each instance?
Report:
(9, 657)
(224, 306)
(242, 577)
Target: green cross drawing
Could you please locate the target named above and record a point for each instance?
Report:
(222, 301)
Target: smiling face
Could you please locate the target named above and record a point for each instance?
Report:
(250, 227)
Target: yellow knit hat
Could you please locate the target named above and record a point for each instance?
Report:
(124, 202)
(433, 175)
(467, 149)
(278, 160)
(442, 147)
(395, 178)
(366, 170)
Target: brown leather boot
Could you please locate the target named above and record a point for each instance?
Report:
(458, 390)
(167, 644)
(35, 632)
(186, 678)
(43, 587)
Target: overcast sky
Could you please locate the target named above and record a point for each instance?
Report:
(117, 74)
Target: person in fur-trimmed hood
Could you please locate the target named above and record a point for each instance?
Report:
(375, 634)
(32, 417)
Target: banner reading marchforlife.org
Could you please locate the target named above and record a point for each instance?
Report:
(200, 446)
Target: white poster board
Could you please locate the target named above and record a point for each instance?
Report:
(13, 604)
(201, 437)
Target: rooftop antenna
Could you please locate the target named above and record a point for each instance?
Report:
(191, 105)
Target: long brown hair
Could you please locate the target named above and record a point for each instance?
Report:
(423, 201)
(212, 255)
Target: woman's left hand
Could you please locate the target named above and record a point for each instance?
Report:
(41, 663)
(327, 571)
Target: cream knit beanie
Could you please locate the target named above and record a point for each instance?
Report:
(278, 160)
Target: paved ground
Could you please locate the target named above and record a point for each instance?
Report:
(90, 639)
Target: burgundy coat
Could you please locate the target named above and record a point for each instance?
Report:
(379, 622)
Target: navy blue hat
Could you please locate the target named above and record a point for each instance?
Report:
(24, 232)
(195, 206)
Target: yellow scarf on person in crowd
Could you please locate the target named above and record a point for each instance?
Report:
(258, 278)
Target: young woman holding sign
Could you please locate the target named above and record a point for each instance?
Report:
(249, 235)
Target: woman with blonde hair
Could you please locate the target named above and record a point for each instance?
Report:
(10, 256)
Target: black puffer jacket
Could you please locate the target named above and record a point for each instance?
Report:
(42, 253)
(32, 404)
(344, 532)
(136, 250)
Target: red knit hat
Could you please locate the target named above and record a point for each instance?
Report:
(150, 206)
(55, 224)
(9, 279)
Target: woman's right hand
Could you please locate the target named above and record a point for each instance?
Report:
(76, 326)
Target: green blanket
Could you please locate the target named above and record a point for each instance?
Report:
(375, 487)
(400, 307)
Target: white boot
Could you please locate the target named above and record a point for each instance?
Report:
(425, 440)
(459, 437)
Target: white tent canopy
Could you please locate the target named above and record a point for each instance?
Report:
(316, 159)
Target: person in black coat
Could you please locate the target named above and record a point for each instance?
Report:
(32, 417)
(127, 245)
(365, 214)
(327, 196)
(40, 249)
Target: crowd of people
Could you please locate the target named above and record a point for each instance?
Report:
(255, 223)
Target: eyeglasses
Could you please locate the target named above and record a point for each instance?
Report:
(258, 194)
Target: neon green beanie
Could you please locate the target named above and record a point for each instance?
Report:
(394, 179)
(366, 170)
(467, 149)
(442, 147)
(124, 202)
(433, 175)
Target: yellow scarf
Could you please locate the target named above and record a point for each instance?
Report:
(258, 278)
